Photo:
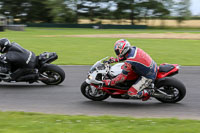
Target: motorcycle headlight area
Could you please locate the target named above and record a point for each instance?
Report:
(100, 67)
(89, 77)
(95, 77)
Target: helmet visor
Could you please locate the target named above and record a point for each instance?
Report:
(117, 52)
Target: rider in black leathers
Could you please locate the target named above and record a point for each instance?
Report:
(20, 61)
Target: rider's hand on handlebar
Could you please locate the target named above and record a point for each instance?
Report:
(112, 60)
(104, 62)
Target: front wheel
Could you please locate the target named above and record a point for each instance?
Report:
(93, 93)
(173, 87)
(52, 75)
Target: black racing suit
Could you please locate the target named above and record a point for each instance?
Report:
(21, 62)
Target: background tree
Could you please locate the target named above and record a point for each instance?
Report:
(74, 5)
(152, 9)
(126, 9)
(70, 11)
(60, 12)
(90, 9)
(38, 10)
(26, 10)
(182, 10)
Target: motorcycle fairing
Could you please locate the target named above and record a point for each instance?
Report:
(165, 70)
(166, 67)
(112, 90)
(47, 57)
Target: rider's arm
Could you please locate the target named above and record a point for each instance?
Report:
(121, 59)
(3, 59)
(123, 76)
(113, 60)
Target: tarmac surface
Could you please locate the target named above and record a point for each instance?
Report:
(67, 98)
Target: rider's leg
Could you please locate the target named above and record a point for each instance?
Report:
(136, 89)
(29, 78)
(17, 73)
(24, 74)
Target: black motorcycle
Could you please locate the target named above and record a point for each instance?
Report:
(49, 74)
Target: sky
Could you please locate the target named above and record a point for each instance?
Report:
(195, 7)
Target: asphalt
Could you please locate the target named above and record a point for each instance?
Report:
(67, 98)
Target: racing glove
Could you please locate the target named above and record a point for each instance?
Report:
(112, 60)
(119, 79)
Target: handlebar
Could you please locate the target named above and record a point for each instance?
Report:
(108, 62)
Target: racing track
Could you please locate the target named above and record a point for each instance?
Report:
(67, 98)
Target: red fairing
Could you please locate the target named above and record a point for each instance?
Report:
(165, 74)
(109, 90)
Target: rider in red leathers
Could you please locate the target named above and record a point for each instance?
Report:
(137, 62)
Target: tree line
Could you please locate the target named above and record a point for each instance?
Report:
(71, 11)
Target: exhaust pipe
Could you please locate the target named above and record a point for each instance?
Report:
(162, 96)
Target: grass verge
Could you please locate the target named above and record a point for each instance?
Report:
(86, 51)
(20, 122)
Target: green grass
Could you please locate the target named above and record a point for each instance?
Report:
(81, 31)
(86, 51)
(20, 122)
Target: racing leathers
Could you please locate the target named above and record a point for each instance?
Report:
(137, 62)
(21, 63)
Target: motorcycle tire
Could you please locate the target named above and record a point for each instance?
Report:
(51, 71)
(85, 92)
(172, 85)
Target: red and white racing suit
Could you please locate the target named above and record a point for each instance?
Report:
(138, 63)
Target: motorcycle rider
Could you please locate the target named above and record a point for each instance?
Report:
(137, 62)
(20, 61)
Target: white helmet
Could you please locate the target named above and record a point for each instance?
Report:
(122, 47)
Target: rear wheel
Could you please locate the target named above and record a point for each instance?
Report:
(93, 93)
(52, 75)
(173, 87)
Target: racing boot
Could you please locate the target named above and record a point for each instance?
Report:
(136, 90)
(28, 78)
(145, 95)
(35, 77)
(132, 92)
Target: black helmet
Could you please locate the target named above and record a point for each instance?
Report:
(4, 45)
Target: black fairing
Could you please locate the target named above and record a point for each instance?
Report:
(47, 57)
(166, 68)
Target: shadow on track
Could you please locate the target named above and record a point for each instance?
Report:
(131, 104)
(28, 86)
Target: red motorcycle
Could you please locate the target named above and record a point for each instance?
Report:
(165, 88)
